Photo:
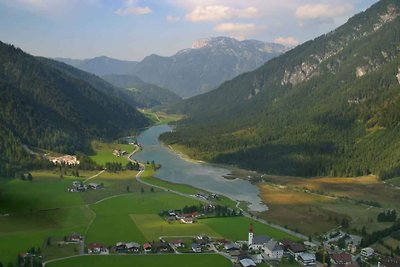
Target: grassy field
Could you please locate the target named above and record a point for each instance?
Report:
(104, 152)
(160, 117)
(394, 181)
(236, 228)
(316, 205)
(210, 260)
(153, 226)
(114, 184)
(114, 222)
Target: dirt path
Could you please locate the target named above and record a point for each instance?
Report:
(94, 176)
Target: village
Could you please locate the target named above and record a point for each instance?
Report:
(258, 249)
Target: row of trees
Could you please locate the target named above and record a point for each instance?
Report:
(387, 216)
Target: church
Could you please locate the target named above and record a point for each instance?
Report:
(264, 244)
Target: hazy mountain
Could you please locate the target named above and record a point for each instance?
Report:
(328, 107)
(102, 65)
(51, 105)
(191, 71)
(144, 94)
(206, 65)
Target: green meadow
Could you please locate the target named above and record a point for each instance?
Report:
(104, 152)
(32, 212)
(210, 260)
(153, 227)
(237, 228)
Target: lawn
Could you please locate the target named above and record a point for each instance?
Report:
(24, 196)
(20, 232)
(104, 152)
(113, 222)
(394, 181)
(114, 184)
(160, 117)
(209, 260)
(153, 227)
(237, 228)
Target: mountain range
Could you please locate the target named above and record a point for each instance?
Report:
(191, 71)
(328, 107)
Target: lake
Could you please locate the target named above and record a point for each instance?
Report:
(201, 175)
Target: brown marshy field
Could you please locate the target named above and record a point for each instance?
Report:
(316, 205)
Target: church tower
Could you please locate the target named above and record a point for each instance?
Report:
(251, 234)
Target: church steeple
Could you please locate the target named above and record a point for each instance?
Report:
(251, 234)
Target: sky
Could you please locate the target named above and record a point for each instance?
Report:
(133, 29)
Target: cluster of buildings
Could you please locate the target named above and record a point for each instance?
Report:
(184, 218)
(119, 152)
(206, 197)
(64, 160)
(129, 248)
(79, 186)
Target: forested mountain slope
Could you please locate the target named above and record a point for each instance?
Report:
(144, 94)
(328, 107)
(50, 105)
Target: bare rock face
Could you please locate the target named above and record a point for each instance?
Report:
(360, 71)
(391, 14)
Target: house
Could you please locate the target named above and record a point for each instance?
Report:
(235, 255)
(273, 250)
(74, 238)
(202, 240)
(293, 248)
(247, 263)
(306, 259)
(187, 220)
(177, 243)
(196, 248)
(341, 258)
(162, 247)
(352, 248)
(367, 252)
(257, 258)
(96, 248)
(120, 247)
(94, 186)
(147, 247)
(389, 262)
(231, 246)
(66, 160)
(132, 247)
(171, 213)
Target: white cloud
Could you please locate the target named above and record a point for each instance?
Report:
(323, 11)
(131, 8)
(235, 27)
(239, 31)
(171, 18)
(287, 41)
(220, 12)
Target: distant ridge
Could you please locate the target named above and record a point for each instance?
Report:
(191, 71)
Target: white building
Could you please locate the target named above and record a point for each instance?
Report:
(257, 242)
(367, 252)
(273, 250)
(306, 259)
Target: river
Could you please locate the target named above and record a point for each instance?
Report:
(201, 175)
